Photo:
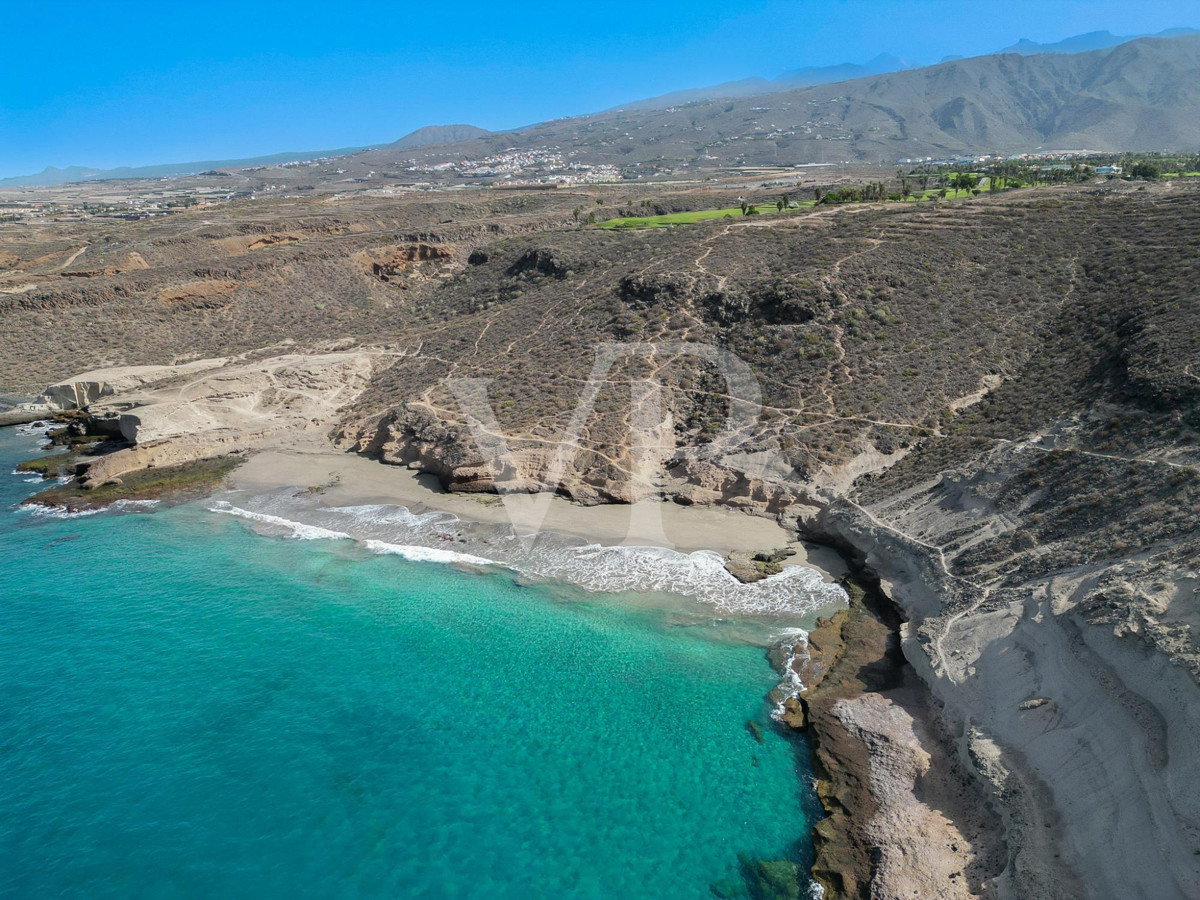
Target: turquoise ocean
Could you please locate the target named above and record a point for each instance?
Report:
(192, 708)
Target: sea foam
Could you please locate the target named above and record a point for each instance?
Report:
(700, 575)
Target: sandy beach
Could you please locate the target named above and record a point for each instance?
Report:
(346, 479)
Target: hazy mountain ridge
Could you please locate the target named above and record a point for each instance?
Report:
(51, 175)
(1141, 95)
(438, 134)
(1137, 95)
(806, 76)
(1093, 40)
(810, 76)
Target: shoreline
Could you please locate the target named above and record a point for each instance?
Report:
(884, 765)
(842, 754)
(858, 692)
(885, 770)
(341, 478)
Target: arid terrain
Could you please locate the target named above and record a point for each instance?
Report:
(989, 405)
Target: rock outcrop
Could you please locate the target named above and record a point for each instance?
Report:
(170, 415)
(888, 778)
(1064, 692)
(81, 391)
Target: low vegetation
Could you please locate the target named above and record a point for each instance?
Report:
(169, 484)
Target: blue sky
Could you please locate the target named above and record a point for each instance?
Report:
(131, 83)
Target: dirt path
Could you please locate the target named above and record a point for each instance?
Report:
(74, 256)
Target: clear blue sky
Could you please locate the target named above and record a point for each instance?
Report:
(132, 83)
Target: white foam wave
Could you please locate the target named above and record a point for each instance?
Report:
(794, 643)
(307, 532)
(61, 512)
(134, 504)
(297, 529)
(58, 512)
(397, 515)
(427, 554)
(700, 575)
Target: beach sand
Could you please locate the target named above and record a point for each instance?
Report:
(346, 479)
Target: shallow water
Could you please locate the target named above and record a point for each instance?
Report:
(193, 709)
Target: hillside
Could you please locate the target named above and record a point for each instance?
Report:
(438, 134)
(1141, 95)
(52, 176)
(806, 76)
(1082, 43)
(809, 76)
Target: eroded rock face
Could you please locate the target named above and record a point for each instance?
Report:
(890, 784)
(1059, 666)
(651, 290)
(777, 302)
(544, 261)
(177, 414)
(403, 260)
(421, 439)
(92, 387)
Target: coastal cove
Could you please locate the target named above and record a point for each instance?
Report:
(195, 708)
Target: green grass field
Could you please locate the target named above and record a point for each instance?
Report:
(691, 218)
(766, 209)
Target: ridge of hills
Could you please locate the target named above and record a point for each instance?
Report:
(438, 134)
(1138, 96)
(882, 64)
(807, 76)
(52, 176)
(1101, 90)
(1093, 40)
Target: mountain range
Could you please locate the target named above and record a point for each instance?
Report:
(1097, 91)
(1093, 40)
(422, 137)
(794, 78)
(1140, 95)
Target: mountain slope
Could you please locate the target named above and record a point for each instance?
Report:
(51, 176)
(1141, 95)
(438, 134)
(807, 76)
(1093, 40)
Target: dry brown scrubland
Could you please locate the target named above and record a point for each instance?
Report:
(990, 404)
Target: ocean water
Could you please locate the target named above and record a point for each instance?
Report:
(189, 708)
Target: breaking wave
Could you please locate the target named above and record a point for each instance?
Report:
(57, 512)
(793, 648)
(424, 537)
(61, 512)
(428, 554)
(295, 529)
(304, 532)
